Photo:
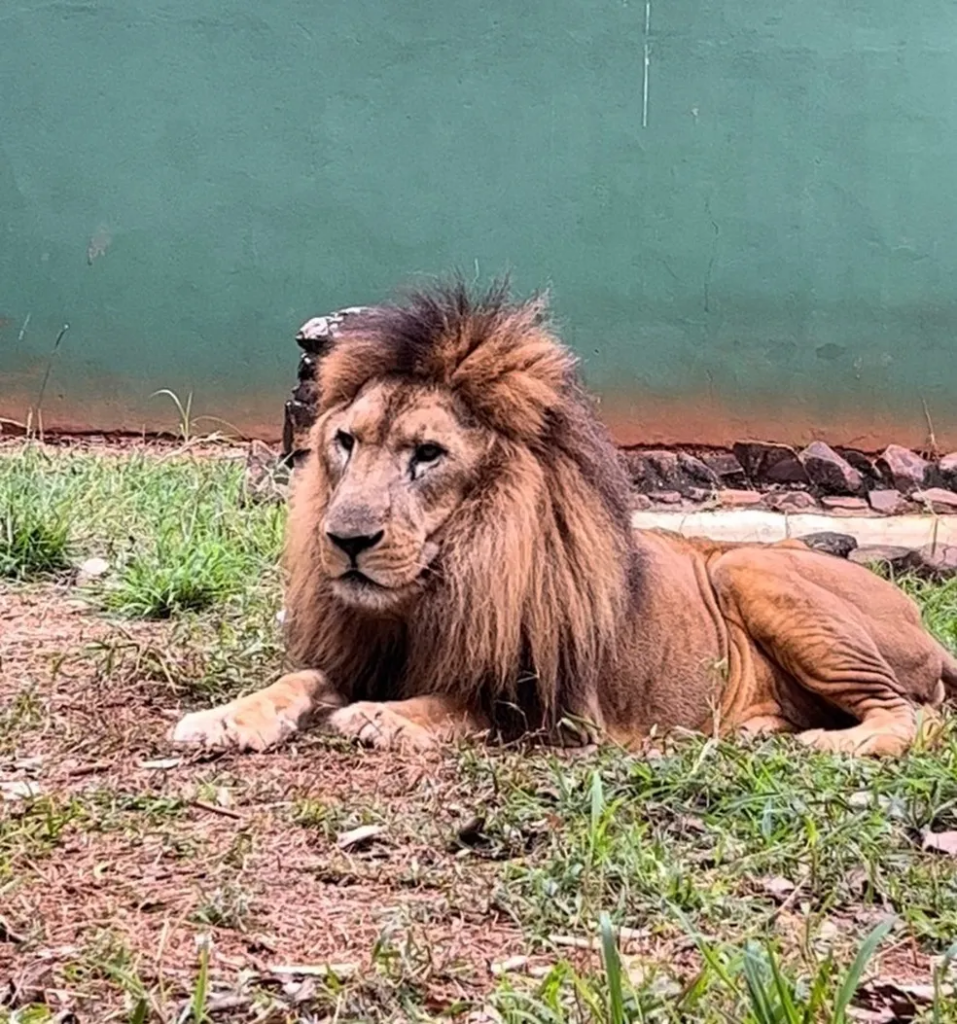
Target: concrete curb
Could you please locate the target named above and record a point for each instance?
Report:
(753, 525)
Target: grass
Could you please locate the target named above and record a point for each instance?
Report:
(174, 529)
(706, 881)
(34, 537)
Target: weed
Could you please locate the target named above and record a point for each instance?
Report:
(225, 907)
(34, 535)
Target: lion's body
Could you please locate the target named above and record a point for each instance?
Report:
(461, 560)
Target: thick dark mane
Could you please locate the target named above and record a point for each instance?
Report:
(536, 571)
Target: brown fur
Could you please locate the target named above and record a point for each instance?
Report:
(529, 598)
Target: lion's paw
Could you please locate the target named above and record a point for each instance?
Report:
(255, 726)
(377, 725)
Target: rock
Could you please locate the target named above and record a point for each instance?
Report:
(699, 494)
(947, 468)
(901, 468)
(790, 501)
(764, 462)
(726, 468)
(92, 569)
(844, 503)
(665, 497)
(733, 498)
(937, 500)
(315, 338)
(668, 471)
(888, 503)
(696, 473)
(897, 559)
(317, 335)
(640, 502)
(861, 462)
(838, 544)
(828, 471)
(932, 562)
(938, 561)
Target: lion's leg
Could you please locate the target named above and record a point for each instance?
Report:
(420, 723)
(820, 641)
(261, 719)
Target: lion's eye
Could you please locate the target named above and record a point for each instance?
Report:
(428, 452)
(345, 441)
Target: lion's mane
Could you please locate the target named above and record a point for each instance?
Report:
(523, 613)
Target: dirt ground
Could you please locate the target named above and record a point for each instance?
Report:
(151, 846)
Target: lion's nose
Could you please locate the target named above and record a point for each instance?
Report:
(357, 543)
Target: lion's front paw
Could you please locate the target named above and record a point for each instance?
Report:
(377, 725)
(254, 726)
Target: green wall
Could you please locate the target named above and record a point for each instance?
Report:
(767, 246)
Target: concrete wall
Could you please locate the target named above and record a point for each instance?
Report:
(755, 236)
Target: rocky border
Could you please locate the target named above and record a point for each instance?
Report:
(752, 474)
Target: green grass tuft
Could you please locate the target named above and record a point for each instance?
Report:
(34, 536)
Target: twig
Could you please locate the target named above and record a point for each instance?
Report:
(226, 812)
(89, 769)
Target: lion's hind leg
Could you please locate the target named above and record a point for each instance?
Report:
(821, 643)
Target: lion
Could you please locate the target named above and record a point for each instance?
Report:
(461, 564)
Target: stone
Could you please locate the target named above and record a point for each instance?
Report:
(668, 471)
(315, 338)
(640, 502)
(695, 473)
(317, 334)
(938, 561)
(888, 503)
(92, 569)
(790, 501)
(766, 462)
(733, 498)
(726, 468)
(901, 468)
(861, 462)
(932, 562)
(828, 471)
(897, 559)
(844, 503)
(831, 543)
(665, 497)
(937, 499)
(699, 494)
(947, 469)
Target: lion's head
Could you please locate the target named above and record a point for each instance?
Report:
(462, 521)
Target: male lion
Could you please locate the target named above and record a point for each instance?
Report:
(461, 561)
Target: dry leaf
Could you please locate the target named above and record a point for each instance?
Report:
(778, 887)
(162, 764)
(357, 836)
(897, 1000)
(513, 963)
(19, 790)
(942, 842)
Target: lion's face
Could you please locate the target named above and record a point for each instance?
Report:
(399, 461)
